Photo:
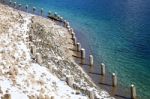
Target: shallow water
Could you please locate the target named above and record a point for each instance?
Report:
(116, 32)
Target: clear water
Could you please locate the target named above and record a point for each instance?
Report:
(116, 31)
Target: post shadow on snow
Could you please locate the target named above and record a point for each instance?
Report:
(74, 51)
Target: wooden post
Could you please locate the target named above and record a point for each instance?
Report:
(34, 8)
(26, 8)
(71, 30)
(133, 92)
(7, 95)
(39, 58)
(33, 50)
(68, 27)
(91, 62)
(10, 2)
(14, 4)
(82, 53)
(78, 47)
(49, 13)
(74, 40)
(19, 6)
(91, 95)
(42, 11)
(55, 14)
(65, 23)
(69, 81)
(73, 35)
(61, 18)
(58, 16)
(102, 68)
(114, 80)
(52, 97)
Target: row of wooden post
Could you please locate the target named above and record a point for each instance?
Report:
(77, 45)
(33, 9)
(91, 63)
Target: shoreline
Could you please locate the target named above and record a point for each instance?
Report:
(104, 82)
(82, 72)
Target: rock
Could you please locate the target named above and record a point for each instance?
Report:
(7, 95)
(52, 97)
(78, 92)
(41, 96)
(1, 91)
(47, 97)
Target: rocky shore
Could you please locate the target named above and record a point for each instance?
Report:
(36, 61)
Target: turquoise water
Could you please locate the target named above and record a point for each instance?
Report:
(117, 33)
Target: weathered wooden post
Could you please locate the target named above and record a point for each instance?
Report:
(34, 8)
(26, 8)
(33, 50)
(46, 97)
(91, 95)
(91, 62)
(7, 95)
(73, 35)
(102, 69)
(65, 23)
(52, 97)
(10, 2)
(69, 81)
(68, 27)
(74, 40)
(58, 16)
(61, 18)
(82, 53)
(133, 92)
(39, 58)
(14, 4)
(49, 13)
(71, 30)
(55, 14)
(42, 11)
(19, 6)
(114, 80)
(78, 47)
